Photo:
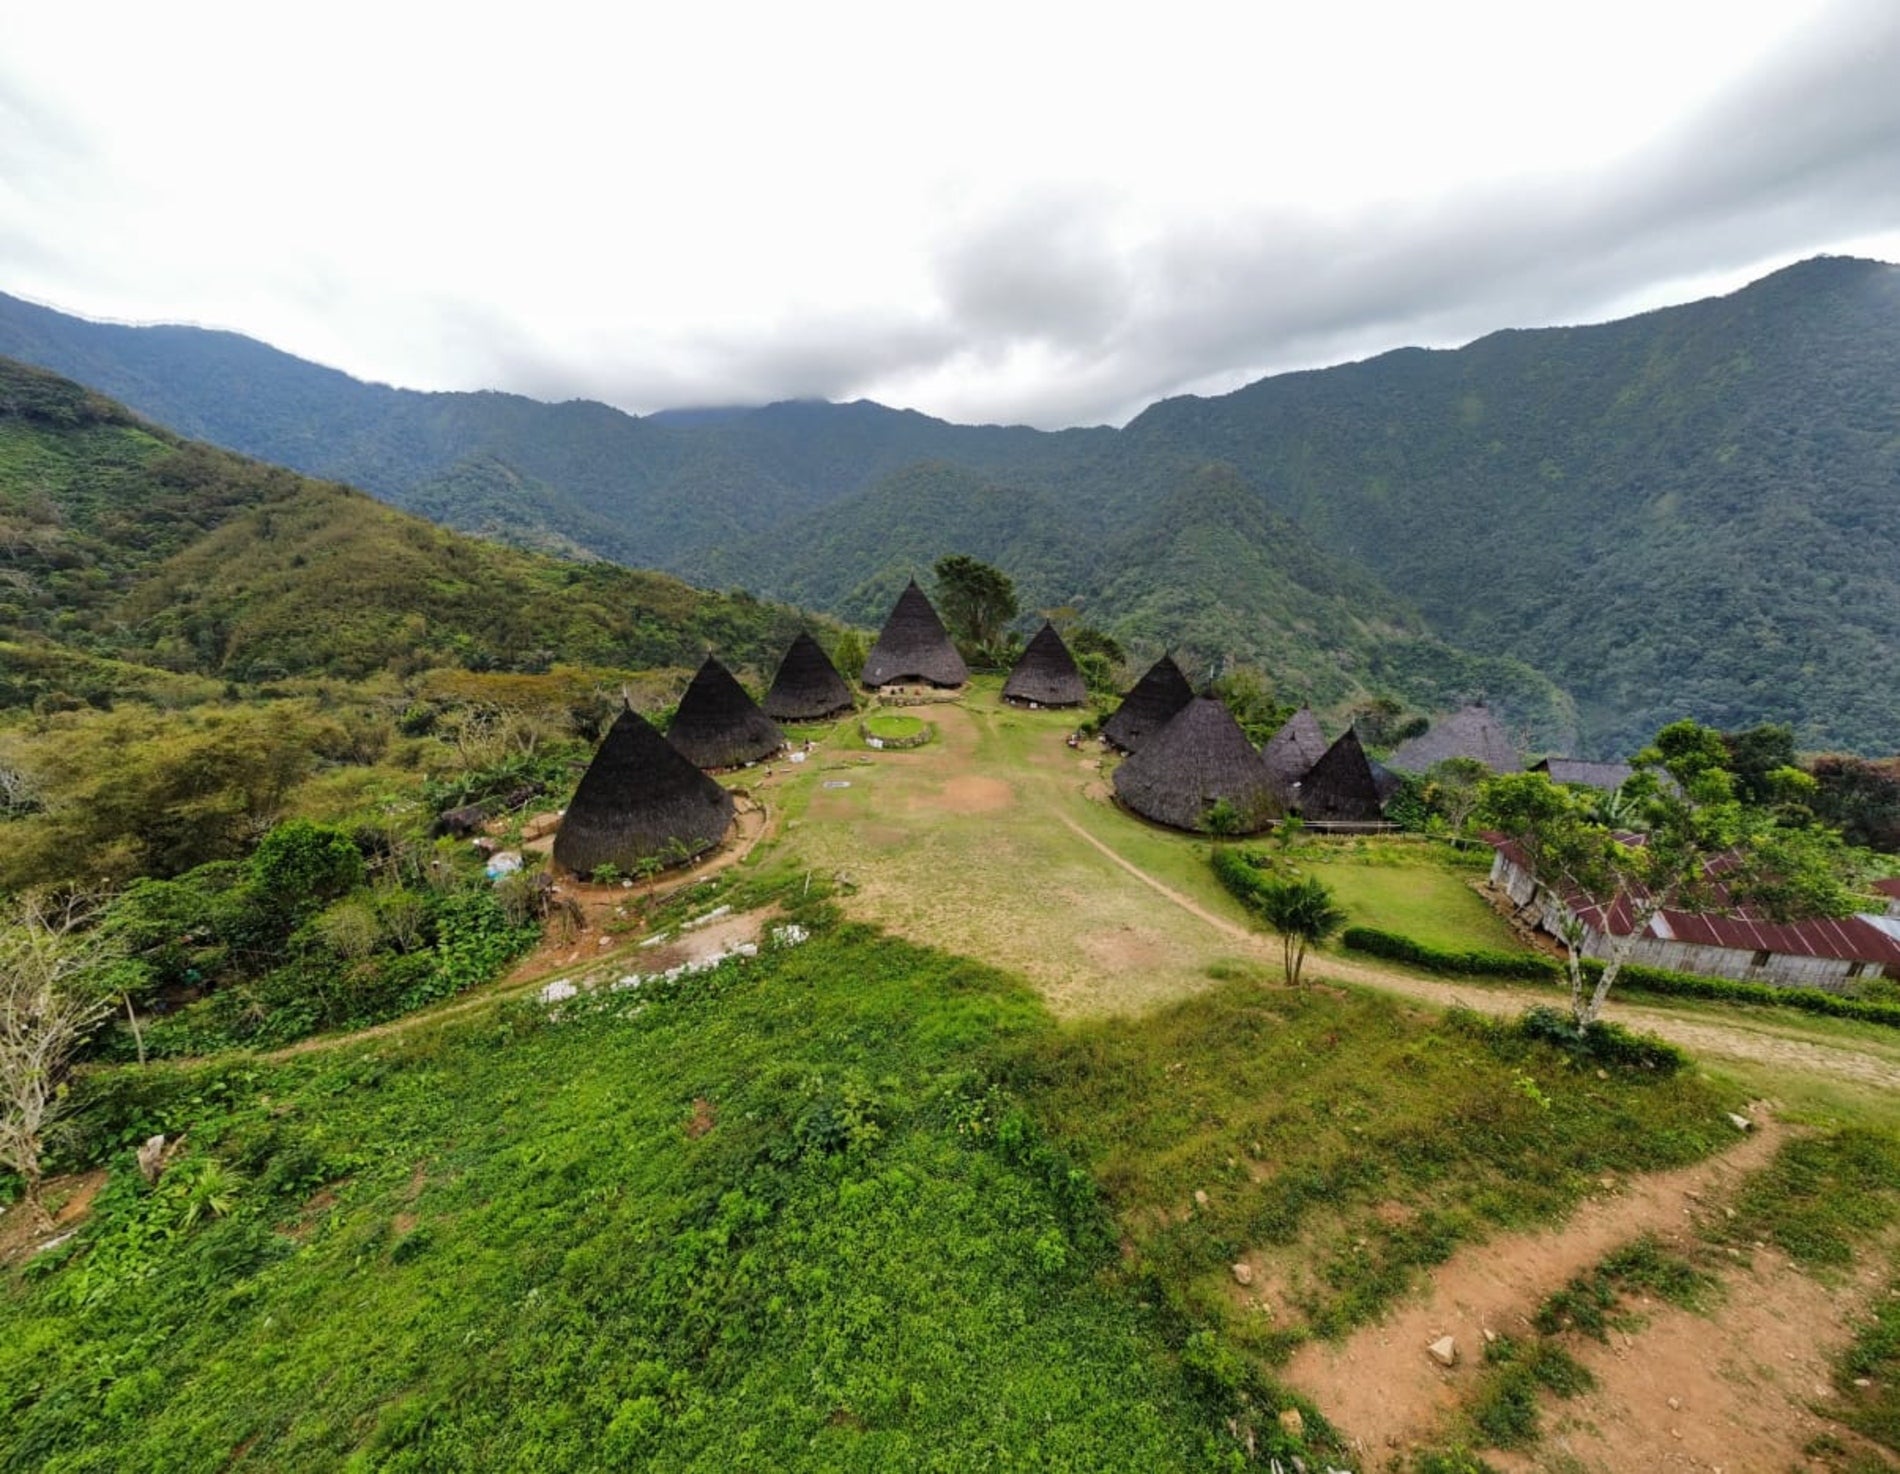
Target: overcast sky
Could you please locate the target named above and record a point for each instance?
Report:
(1044, 213)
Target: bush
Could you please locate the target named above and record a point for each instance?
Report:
(1602, 1043)
(1471, 963)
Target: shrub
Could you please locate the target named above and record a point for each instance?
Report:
(1474, 962)
(1601, 1043)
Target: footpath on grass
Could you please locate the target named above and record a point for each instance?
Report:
(1756, 1045)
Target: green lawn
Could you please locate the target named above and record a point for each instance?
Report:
(1425, 902)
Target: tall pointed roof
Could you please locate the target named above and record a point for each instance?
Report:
(718, 725)
(1046, 673)
(1341, 787)
(807, 687)
(1157, 696)
(1200, 758)
(1471, 732)
(640, 801)
(1291, 752)
(914, 646)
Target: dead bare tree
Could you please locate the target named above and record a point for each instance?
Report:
(49, 952)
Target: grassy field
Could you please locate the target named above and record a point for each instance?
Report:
(773, 1221)
(1000, 842)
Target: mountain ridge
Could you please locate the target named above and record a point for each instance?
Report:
(1673, 514)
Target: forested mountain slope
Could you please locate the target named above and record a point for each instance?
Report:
(1692, 512)
(125, 541)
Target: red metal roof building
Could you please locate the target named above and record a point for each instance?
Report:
(1731, 940)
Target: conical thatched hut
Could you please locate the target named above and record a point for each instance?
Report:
(1291, 752)
(914, 646)
(1157, 697)
(1199, 759)
(807, 687)
(1045, 673)
(1341, 789)
(1472, 732)
(718, 725)
(639, 801)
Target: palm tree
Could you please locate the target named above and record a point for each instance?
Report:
(1304, 914)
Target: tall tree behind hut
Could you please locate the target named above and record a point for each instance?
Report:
(977, 602)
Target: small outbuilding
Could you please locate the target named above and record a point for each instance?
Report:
(1045, 673)
(807, 687)
(640, 802)
(1156, 699)
(718, 725)
(1199, 760)
(1341, 787)
(1472, 732)
(914, 646)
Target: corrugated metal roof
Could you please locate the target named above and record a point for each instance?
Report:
(1889, 887)
(1738, 928)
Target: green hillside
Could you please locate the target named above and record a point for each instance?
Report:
(126, 542)
(1688, 513)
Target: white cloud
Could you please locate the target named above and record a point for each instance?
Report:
(1049, 213)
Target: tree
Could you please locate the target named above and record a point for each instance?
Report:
(1453, 789)
(1304, 914)
(1248, 694)
(976, 600)
(1694, 846)
(49, 952)
(848, 655)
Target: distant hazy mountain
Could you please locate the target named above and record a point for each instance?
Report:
(1692, 512)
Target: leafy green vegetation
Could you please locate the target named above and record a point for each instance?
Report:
(1365, 1109)
(133, 544)
(773, 1216)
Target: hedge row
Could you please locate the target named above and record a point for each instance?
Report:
(1727, 990)
(1239, 874)
(1633, 977)
(1471, 963)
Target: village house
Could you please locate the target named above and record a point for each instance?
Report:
(1829, 953)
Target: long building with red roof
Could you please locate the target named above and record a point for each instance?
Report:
(1731, 941)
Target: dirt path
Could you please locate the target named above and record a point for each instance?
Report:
(1753, 1044)
(1382, 1388)
(1221, 924)
(1746, 1386)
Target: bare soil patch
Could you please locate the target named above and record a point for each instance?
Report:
(1385, 1392)
(1744, 1386)
(701, 1119)
(70, 1201)
(1124, 948)
(970, 794)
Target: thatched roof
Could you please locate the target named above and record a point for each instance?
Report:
(1198, 759)
(1046, 673)
(1157, 696)
(639, 801)
(1341, 788)
(807, 687)
(1472, 732)
(718, 725)
(914, 646)
(1607, 776)
(1292, 751)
